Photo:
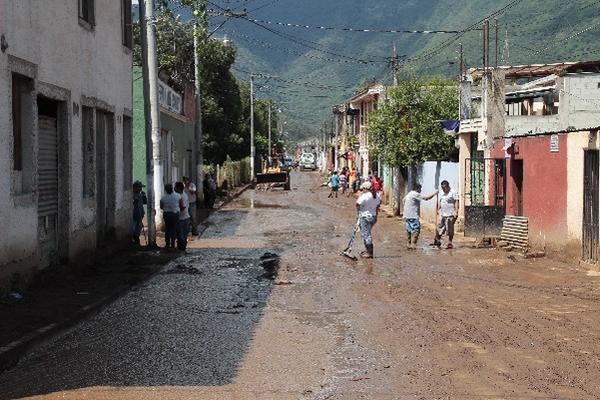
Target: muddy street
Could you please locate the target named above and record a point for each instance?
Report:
(263, 307)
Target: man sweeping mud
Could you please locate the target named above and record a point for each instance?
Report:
(368, 206)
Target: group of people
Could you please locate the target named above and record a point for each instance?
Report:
(350, 181)
(179, 205)
(369, 202)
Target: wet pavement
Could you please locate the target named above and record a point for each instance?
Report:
(263, 307)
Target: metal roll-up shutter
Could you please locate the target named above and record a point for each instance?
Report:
(47, 167)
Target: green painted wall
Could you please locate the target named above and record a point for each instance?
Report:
(182, 133)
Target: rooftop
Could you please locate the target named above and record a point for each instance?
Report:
(538, 70)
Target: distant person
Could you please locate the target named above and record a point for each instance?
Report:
(352, 182)
(139, 200)
(212, 190)
(334, 182)
(171, 204)
(183, 226)
(192, 193)
(343, 182)
(368, 207)
(412, 214)
(448, 208)
(377, 183)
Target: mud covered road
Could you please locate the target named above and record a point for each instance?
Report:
(460, 324)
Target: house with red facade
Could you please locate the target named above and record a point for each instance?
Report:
(529, 157)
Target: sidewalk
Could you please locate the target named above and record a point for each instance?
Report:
(62, 296)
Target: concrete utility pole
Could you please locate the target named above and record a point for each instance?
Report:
(152, 117)
(199, 36)
(270, 149)
(397, 171)
(335, 144)
(252, 149)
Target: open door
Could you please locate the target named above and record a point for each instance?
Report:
(590, 206)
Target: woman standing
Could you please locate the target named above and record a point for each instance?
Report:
(368, 207)
(170, 203)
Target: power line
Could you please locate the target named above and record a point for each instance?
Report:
(370, 30)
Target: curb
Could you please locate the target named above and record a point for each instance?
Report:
(11, 353)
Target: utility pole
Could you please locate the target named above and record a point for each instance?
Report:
(497, 28)
(397, 172)
(200, 34)
(154, 174)
(486, 44)
(335, 144)
(462, 61)
(270, 149)
(252, 149)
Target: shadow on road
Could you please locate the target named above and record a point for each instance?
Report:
(190, 325)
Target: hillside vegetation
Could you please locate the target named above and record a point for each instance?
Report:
(319, 68)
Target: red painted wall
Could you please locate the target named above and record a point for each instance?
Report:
(544, 193)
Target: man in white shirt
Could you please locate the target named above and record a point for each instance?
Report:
(183, 228)
(368, 207)
(412, 214)
(448, 207)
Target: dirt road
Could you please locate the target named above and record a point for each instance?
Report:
(425, 324)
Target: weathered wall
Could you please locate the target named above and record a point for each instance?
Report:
(544, 195)
(84, 64)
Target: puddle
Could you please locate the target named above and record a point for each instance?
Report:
(251, 203)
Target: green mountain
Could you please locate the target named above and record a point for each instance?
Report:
(317, 68)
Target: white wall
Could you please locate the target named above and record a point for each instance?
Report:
(87, 63)
(430, 175)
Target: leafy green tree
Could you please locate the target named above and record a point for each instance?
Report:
(225, 100)
(405, 130)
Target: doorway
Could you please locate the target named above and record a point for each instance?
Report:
(52, 182)
(517, 175)
(590, 206)
(105, 177)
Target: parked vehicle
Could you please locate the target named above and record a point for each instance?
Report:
(308, 161)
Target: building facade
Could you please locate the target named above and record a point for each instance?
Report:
(539, 157)
(365, 102)
(65, 129)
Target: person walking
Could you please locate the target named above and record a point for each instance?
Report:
(183, 226)
(367, 206)
(412, 214)
(139, 200)
(334, 182)
(352, 182)
(192, 193)
(343, 182)
(171, 204)
(448, 206)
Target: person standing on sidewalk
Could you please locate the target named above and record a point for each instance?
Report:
(334, 182)
(139, 200)
(448, 209)
(368, 207)
(192, 193)
(412, 214)
(171, 204)
(183, 227)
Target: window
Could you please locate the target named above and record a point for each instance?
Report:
(127, 24)
(22, 132)
(127, 153)
(86, 12)
(88, 152)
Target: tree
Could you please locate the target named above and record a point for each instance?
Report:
(406, 130)
(225, 100)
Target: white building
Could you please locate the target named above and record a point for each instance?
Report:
(65, 130)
